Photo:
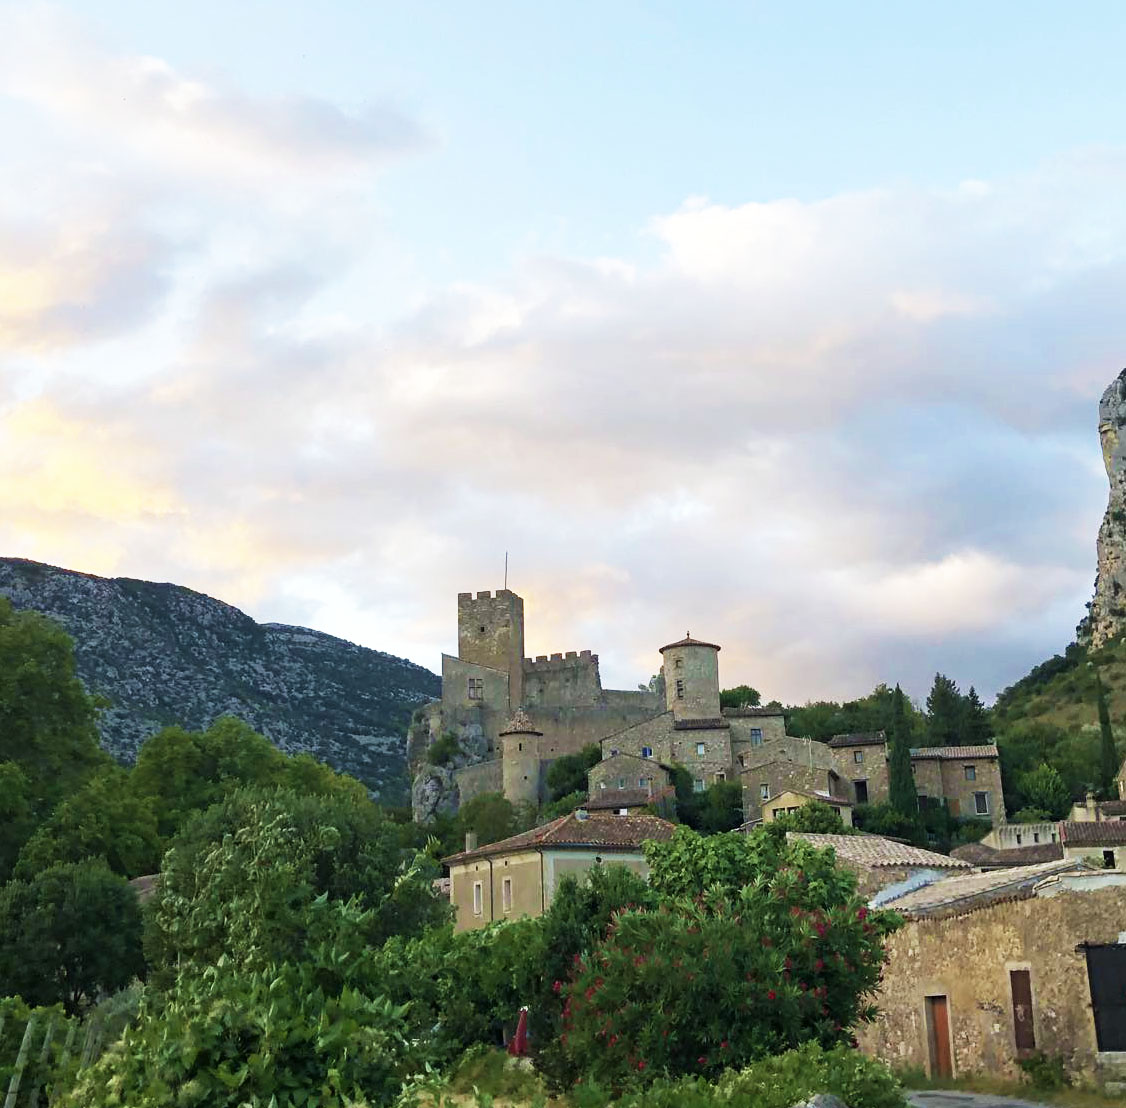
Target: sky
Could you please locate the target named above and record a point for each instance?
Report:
(780, 323)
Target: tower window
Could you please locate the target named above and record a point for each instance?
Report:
(680, 688)
(700, 750)
(481, 630)
(647, 752)
(476, 688)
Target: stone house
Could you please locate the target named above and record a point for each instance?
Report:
(991, 966)
(784, 763)
(518, 876)
(1100, 844)
(883, 867)
(967, 778)
(790, 801)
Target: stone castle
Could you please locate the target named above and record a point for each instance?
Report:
(503, 719)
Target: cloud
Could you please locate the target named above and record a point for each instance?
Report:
(852, 439)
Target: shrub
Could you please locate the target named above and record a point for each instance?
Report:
(779, 950)
(39, 1072)
(1045, 1071)
(275, 1035)
(443, 750)
(776, 1082)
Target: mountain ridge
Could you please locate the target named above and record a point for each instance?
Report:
(162, 653)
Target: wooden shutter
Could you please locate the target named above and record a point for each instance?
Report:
(1020, 981)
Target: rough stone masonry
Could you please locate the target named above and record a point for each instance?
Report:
(1107, 616)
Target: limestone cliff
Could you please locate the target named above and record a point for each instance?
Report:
(1107, 616)
(162, 654)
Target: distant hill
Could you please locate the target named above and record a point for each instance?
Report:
(1061, 691)
(163, 654)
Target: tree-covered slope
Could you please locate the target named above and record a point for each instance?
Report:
(161, 654)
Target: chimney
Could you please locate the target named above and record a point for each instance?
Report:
(1092, 807)
(470, 840)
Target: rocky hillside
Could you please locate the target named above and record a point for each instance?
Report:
(1107, 615)
(162, 654)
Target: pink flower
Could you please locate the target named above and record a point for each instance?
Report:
(641, 1064)
(702, 1060)
(861, 913)
(556, 986)
(771, 995)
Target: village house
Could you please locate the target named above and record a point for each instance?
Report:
(884, 868)
(790, 801)
(518, 876)
(992, 966)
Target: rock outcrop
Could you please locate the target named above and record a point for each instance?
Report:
(162, 654)
(1107, 616)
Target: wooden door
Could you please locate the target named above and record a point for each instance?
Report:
(1024, 1032)
(938, 1032)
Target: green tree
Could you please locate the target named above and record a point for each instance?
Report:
(1108, 755)
(491, 817)
(103, 819)
(977, 730)
(17, 818)
(901, 782)
(742, 696)
(569, 773)
(240, 877)
(47, 720)
(71, 932)
(945, 714)
(1044, 789)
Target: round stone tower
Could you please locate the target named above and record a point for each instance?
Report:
(691, 669)
(520, 760)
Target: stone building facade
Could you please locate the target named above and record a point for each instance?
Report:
(992, 966)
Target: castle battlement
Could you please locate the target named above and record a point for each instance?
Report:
(542, 663)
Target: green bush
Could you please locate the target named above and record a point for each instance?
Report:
(39, 1072)
(1045, 1071)
(276, 1035)
(775, 1082)
(768, 947)
(443, 750)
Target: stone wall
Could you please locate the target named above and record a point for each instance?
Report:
(968, 958)
(625, 771)
(959, 790)
(872, 768)
(779, 774)
(485, 777)
(676, 746)
(691, 681)
(562, 679)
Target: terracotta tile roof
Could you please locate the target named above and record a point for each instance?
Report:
(859, 738)
(520, 724)
(688, 640)
(1105, 833)
(988, 857)
(874, 851)
(954, 752)
(602, 829)
(623, 798)
(966, 893)
(1112, 807)
(700, 725)
(813, 794)
(752, 713)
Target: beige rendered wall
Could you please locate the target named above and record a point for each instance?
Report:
(787, 801)
(576, 863)
(523, 870)
(968, 958)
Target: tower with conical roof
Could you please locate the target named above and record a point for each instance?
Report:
(520, 759)
(691, 669)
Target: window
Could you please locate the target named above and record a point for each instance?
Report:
(680, 688)
(1035, 836)
(641, 782)
(698, 785)
(912, 769)
(971, 772)
(981, 804)
(764, 791)
(476, 688)
(621, 782)
(476, 898)
(506, 894)
(721, 776)
(613, 752)
(700, 750)
(647, 752)
(742, 761)
(756, 736)
(1108, 859)
(1018, 839)
(680, 663)
(858, 756)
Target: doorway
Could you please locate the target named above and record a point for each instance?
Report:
(861, 791)
(938, 1037)
(1106, 974)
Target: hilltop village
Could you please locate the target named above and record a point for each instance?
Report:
(503, 719)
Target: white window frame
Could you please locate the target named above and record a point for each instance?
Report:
(858, 757)
(647, 752)
(478, 898)
(698, 785)
(701, 750)
(981, 797)
(764, 791)
(476, 688)
(506, 894)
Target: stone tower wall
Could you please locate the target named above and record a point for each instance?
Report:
(520, 768)
(694, 672)
(490, 632)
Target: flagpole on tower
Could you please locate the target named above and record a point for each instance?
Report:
(506, 569)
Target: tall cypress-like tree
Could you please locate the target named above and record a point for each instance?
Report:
(976, 728)
(1108, 755)
(944, 713)
(901, 783)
